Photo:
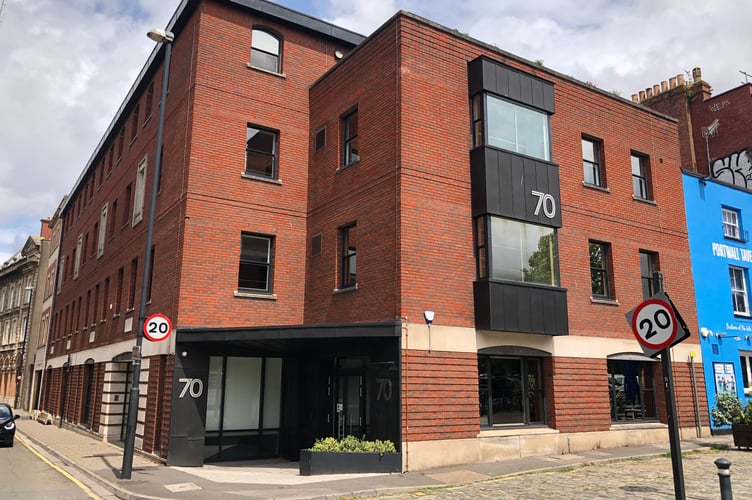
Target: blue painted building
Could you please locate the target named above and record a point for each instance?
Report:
(719, 219)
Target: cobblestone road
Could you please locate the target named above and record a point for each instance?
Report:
(635, 478)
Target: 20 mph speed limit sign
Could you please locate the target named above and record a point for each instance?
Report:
(157, 327)
(655, 325)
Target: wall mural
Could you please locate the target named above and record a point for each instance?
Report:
(735, 168)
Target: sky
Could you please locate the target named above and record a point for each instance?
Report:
(66, 66)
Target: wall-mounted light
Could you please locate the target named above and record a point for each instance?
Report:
(428, 315)
(747, 337)
(721, 335)
(705, 332)
(338, 54)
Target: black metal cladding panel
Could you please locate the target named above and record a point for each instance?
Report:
(503, 184)
(519, 307)
(487, 75)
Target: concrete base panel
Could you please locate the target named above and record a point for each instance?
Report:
(498, 445)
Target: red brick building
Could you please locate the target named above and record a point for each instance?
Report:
(424, 239)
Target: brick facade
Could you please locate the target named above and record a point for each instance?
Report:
(409, 196)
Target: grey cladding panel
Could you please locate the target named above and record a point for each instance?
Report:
(491, 76)
(510, 180)
(518, 307)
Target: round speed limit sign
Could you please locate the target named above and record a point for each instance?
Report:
(157, 327)
(654, 324)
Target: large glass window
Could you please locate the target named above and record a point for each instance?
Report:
(243, 407)
(261, 152)
(519, 251)
(255, 274)
(517, 128)
(592, 161)
(510, 391)
(738, 279)
(631, 390)
(640, 177)
(265, 51)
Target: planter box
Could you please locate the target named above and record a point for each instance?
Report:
(332, 462)
(742, 435)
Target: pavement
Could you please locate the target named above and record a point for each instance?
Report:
(98, 463)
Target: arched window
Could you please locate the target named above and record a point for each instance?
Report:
(266, 50)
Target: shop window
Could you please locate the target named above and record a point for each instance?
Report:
(592, 162)
(519, 252)
(510, 391)
(631, 390)
(266, 51)
(745, 359)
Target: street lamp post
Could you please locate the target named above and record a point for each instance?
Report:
(166, 38)
(21, 362)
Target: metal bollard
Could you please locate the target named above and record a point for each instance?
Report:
(724, 478)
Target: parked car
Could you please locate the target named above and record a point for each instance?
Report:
(7, 425)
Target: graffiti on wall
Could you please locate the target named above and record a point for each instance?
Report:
(735, 169)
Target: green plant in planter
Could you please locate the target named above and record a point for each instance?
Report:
(729, 410)
(352, 444)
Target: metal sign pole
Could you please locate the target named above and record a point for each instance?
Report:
(673, 425)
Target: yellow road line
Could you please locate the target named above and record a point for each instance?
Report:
(61, 471)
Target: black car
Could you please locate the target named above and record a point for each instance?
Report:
(7, 425)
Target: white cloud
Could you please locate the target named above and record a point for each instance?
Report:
(67, 65)
(66, 68)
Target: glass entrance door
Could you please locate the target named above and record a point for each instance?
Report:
(349, 406)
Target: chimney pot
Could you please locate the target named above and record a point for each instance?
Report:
(672, 82)
(680, 79)
(649, 92)
(664, 86)
(635, 98)
(642, 95)
(656, 89)
(696, 74)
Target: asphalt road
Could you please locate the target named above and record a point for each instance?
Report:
(26, 474)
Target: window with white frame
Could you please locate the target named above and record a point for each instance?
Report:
(265, 50)
(592, 161)
(745, 357)
(640, 177)
(138, 199)
(731, 223)
(738, 278)
(77, 258)
(102, 231)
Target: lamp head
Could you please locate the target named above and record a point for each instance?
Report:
(428, 315)
(160, 36)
